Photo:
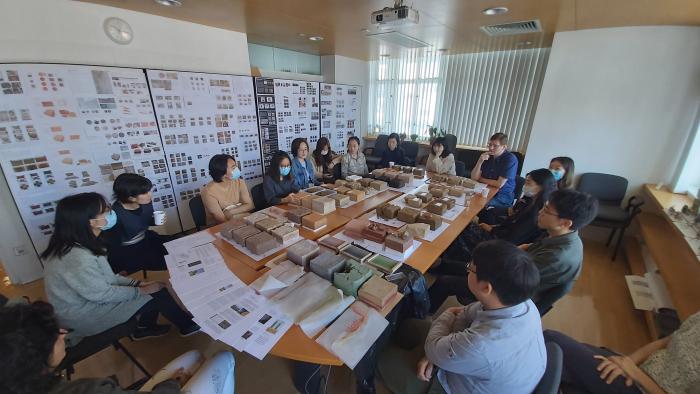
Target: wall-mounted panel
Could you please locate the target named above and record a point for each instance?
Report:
(340, 113)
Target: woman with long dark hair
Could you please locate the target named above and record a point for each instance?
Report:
(278, 185)
(32, 345)
(302, 167)
(324, 158)
(562, 168)
(89, 298)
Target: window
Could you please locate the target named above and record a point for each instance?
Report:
(469, 95)
(688, 178)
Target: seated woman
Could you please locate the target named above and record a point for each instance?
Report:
(562, 168)
(33, 344)
(131, 246)
(278, 185)
(354, 162)
(226, 196)
(302, 167)
(668, 365)
(88, 297)
(324, 158)
(394, 153)
(521, 227)
(441, 160)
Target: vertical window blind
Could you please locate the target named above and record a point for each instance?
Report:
(469, 95)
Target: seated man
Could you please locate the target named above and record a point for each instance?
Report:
(558, 256)
(498, 167)
(494, 345)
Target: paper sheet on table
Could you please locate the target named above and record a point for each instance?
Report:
(203, 251)
(301, 297)
(188, 242)
(278, 277)
(264, 333)
(333, 304)
(353, 333)
(195, 280)
(236, 307)
(195, 298)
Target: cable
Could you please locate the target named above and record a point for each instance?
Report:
(306, 388)
(328, 378)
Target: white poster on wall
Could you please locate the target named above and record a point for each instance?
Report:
(340, 114)
(67, 129)
(287, 110)
(201, 115)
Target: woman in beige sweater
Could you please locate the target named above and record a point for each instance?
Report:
(227, 195)
(441, 160)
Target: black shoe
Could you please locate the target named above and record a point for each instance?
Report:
(190, 330)
(158, 330)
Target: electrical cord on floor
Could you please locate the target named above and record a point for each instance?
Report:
(306, 388)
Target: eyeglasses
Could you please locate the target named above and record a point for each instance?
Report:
(546, 212)
(490, 145)
(470, 267)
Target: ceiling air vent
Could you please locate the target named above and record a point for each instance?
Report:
(509, 29)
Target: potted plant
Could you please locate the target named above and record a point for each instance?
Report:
(435, 133)
(414, 137)
(402, 136)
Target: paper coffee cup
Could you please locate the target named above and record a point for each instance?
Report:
(485, 192)
(391, 164)
(159, 217)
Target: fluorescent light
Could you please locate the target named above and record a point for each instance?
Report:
(316, 38)
(169, 3)
(495, 11)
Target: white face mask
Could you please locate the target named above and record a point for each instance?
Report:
(324, 152)
(528, 191)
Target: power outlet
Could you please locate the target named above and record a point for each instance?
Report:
(20, 250)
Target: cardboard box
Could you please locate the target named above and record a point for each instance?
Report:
(314, 221)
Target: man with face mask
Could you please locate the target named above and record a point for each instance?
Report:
(498, 167)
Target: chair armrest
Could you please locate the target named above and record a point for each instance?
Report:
(634, 206)
(368, 151)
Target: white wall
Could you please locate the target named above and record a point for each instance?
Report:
(64, 31)
(619, 101)
(348, 71)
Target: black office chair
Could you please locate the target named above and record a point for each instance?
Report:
(199, 215)
(545, 300)
(258, 196)
(373, 155)
(521, 160)
(410, 149)
(451, 143)
(460, 168)
(549, 383)
(98, 342)
(610, 191)
(519, 183)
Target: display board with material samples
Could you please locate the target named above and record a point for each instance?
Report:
(340, 114)
(66, 129)
(201, 115)
(287, 110)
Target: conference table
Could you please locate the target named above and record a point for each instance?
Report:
(295, 345)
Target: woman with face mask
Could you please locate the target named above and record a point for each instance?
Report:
(562, 168)
(324, 158)
(88, 297)
(131, 245)
(278, 185)
(441, 160)
(518, 228)
(226, 196)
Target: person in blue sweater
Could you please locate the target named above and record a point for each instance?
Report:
(394, 154)
(131, 245)
(498, 167)
(302, 167)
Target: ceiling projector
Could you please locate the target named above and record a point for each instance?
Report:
(395, 16)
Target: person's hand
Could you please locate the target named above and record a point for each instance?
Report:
(612, 367)
(151, 287)
(524, 246)
(294, 199)
(181, 376)
(455, 310)
(425, 369)
(486, 227)
(484, 156)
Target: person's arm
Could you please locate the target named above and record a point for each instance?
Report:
(270, 191)
(622, 367)
(345, 163)
(243, 198)
(211, 205)
(431, 165)
(476, 171)
(509, 173)
(88, 280)
(318, 170)
(642, 354)
(384, 161)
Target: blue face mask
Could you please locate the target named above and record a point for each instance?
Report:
(284, 171)
(235, 174)
(111, 218)
(558, 174)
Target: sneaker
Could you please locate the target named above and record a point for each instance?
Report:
(158, 330)
(190, 330)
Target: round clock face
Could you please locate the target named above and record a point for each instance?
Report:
(118, 30)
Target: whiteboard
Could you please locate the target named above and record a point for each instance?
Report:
(66, 129)
(287, 109)
(201, 115)
(340, 113)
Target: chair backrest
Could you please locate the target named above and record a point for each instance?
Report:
(199, 215)
(410, 149)
(519, 183)
(608, 189)
(546, 299)
(460, 168)
(451, 143)
(380, 145)
(521, 160)
(258, 196)
(549, 384)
